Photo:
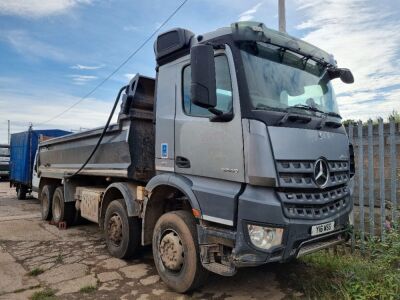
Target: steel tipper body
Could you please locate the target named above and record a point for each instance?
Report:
(127, 150)
(4, 161)
(233, 156)
(23, 146)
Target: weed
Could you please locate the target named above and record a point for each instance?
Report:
(47, 294)
(59, 259)
(35, 272)
(88, 289)
(372, 274)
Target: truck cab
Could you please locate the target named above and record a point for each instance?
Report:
(263, 146)
(233, 156)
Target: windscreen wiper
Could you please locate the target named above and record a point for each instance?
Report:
(323, 121)
(312, 108)
(293, 118)
(261, 106)
(308, 107)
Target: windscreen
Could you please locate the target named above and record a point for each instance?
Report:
(278, 79)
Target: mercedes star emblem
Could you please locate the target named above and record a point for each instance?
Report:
(321, 172)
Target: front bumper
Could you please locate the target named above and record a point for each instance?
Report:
(262, 206)
(297, 242)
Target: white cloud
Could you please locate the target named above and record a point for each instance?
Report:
(82, 79)
(365, 37)
(30, 106)
(83, 67)
(249, 14)
(38, 8)
(30, 47)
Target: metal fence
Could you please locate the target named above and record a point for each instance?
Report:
(376, 193)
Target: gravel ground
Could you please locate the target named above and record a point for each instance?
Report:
(75, 264)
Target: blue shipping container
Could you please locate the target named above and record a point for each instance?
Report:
(23, 147)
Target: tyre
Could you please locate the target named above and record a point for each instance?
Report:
(122, 233)
(62, 211)
(21, 192)
(176, 252)
(46, 198)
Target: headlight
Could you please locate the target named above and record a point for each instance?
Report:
(265, 237)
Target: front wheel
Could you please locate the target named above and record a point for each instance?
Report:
(176, 251)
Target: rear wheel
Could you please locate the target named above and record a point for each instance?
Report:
(122, 233)
(46, 197)
(21, 192)
(176, 251)
(62, 211)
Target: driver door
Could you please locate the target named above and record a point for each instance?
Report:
(202, 147)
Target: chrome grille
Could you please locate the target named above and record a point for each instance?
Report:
(302, 198)
(314, 205)
(300, 174)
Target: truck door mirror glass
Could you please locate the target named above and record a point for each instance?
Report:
(203, 85)
(344, 74)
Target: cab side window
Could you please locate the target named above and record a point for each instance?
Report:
(224, 89)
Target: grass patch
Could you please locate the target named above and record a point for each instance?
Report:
(372, 274)
(88, 289)
(47, 294)
(35, 272)
(59, 259)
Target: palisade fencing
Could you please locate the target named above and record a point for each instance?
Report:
(377, 185)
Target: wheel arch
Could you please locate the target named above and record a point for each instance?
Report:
(120, 190)
(164, 193)
(55, 182)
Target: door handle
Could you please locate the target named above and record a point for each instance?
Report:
(182, 162)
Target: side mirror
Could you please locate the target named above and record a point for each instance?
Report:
(344, 74)
(203, 87)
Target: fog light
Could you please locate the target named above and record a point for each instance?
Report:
(265, 237)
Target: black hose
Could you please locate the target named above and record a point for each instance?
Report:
(102, 134)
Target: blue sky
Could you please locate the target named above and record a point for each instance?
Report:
(54, 52)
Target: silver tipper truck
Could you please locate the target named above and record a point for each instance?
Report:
(233, 156)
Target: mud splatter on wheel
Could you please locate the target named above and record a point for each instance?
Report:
(176, 251)
(122, 233)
